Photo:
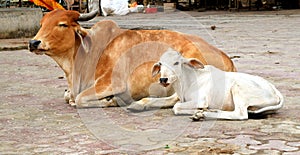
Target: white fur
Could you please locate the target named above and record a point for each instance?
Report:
(210, 88)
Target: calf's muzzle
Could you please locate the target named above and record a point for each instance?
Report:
(163, 80)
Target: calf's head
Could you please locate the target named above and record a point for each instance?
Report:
(58, 32)
(172, 66)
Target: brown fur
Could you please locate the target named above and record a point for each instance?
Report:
(115, 60)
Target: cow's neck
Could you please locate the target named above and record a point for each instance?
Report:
(65, 62)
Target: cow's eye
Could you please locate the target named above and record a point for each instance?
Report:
(62, 25)
(176, 63)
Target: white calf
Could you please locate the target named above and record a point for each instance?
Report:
(208, 92)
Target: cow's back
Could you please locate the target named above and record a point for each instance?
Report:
(212, 55)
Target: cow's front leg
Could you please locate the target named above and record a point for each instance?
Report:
(154, 103)
(89, 99)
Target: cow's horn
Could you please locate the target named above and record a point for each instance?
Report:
(88, 16)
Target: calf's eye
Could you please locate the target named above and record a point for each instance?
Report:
(176, 63)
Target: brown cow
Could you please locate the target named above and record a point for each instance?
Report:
(106, 64)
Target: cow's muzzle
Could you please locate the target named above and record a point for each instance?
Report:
(164, 81)
(34, 44)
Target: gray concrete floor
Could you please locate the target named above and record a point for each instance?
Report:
(35, 120)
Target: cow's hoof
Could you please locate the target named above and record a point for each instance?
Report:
(72, 103)
(134, 107)
(198, 116)
(67, 95)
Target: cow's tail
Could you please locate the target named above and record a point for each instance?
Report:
(272, 108)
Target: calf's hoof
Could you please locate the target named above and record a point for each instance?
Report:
(198, 116)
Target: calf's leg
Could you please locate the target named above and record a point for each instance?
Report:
(240, 111)
(187, 108)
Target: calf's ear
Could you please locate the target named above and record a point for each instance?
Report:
(194, 63)
(155, 69)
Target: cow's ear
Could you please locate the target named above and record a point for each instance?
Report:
(84, 38)
(156, 69)
(81, 31)
(194, 63)
(74, 15)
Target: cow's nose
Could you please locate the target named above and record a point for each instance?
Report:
(163, 80)
(33, 44)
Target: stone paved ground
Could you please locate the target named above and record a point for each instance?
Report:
(35, 120)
